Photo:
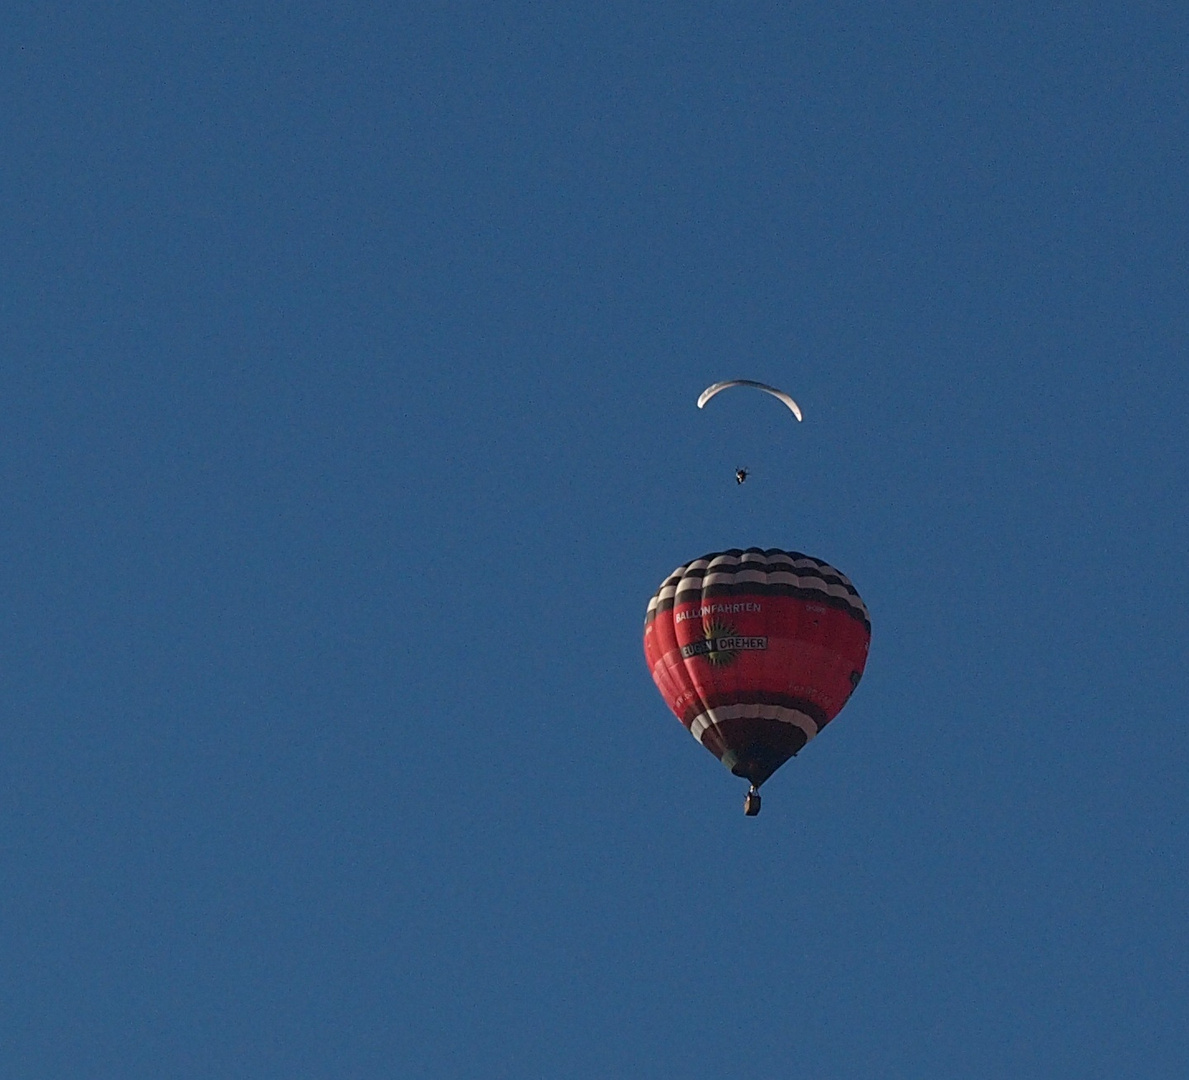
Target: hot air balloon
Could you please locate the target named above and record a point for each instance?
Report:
(756, 651)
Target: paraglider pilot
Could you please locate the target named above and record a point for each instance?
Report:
(740, 475)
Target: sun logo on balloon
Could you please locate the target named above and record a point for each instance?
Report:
(720, 644)
(715, 631)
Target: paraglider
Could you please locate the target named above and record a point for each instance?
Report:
(719, 387)
(756, 651)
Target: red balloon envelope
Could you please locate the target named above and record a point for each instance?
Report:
(756, 651)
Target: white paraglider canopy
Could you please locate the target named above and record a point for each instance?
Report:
(718, 387)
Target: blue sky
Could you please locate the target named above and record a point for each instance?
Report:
(348, 359)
